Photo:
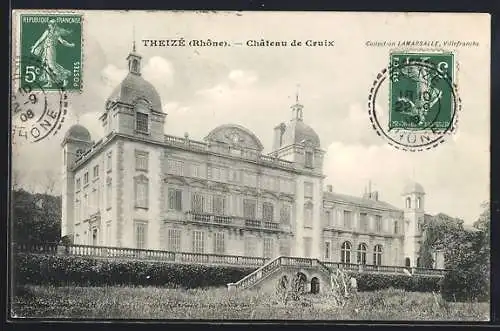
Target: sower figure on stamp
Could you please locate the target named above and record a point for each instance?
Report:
(45, 48)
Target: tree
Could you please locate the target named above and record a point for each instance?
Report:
(36, 217)
(437, 232)
(468, 255)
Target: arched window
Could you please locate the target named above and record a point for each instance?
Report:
(377, 255)
(408, 202)
(345, 252)
(362, 253)
(418, 203)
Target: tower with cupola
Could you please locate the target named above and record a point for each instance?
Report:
(75, 143)
(413, 199)
(134, 107)
(297, 142)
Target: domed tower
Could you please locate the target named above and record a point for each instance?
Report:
(413, 198)
(297, 142)
(76, 141)
(134, 107)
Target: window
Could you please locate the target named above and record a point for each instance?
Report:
(78, 184)
(347, 219)
(140, 235)
(219, 205)
(268, 247)
(141, 192)
(307, 246)
(142, 122)
(96, 171)
(141, 161)
(175, 199)
(109, 161)
(197, 200)
(309, 159)
(418, 203)
(328, 217)
(219, 247)
(285, 214)
(86, 178)
(174, 240)
(267, 212)
(408, 202)
(362, 253)
(377, 255)
(93, 199)
(345, 252)
(249, 179)
(308, 211)
(175, 167)
(396, 227)
(108, 233)
(363, 222)
(396, 256)
(249, 209)
(308, 190)
(378, 223)
(250, 246)
(195, 170)
(284, 247)
(198, 242)
(77, 210)
(234, 175)
(327, 250)
(85, 206)
(108, 193)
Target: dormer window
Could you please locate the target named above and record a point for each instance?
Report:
(309, 159)
(142, 117)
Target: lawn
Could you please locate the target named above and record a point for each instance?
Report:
(217, 303)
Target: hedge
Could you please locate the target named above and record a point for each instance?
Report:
(60, 270)
(415, 283)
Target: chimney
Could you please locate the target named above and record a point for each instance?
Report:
(329, 188)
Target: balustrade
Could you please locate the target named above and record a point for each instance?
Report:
(266, 266)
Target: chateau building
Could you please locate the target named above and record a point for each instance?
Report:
(138, 187)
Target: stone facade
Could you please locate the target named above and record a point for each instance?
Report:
(140, 188)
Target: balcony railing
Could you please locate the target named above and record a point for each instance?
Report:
(246, 154)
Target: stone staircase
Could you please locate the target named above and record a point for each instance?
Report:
(275, 265)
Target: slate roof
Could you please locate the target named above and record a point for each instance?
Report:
(365, 202)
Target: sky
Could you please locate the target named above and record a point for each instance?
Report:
(204, 87)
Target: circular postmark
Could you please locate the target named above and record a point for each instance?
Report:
(423, 102)
(36, 113)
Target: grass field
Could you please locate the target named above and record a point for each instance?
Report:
(217, 303)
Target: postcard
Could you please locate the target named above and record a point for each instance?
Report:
(250, 165)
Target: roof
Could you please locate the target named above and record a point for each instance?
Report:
(297, 132)
(350, 199)
(413, 187)
(78, 132)
(133, 87)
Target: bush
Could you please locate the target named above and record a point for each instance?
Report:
(416, 283)
(465, 285)
(86, 271)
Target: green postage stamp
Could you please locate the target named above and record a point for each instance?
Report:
(51, 52)
(420, 95)
(422, 100)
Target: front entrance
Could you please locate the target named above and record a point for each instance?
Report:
(314, 285)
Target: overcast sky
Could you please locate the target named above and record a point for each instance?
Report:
(202, 88)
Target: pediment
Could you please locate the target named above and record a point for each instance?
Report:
(235, 135)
